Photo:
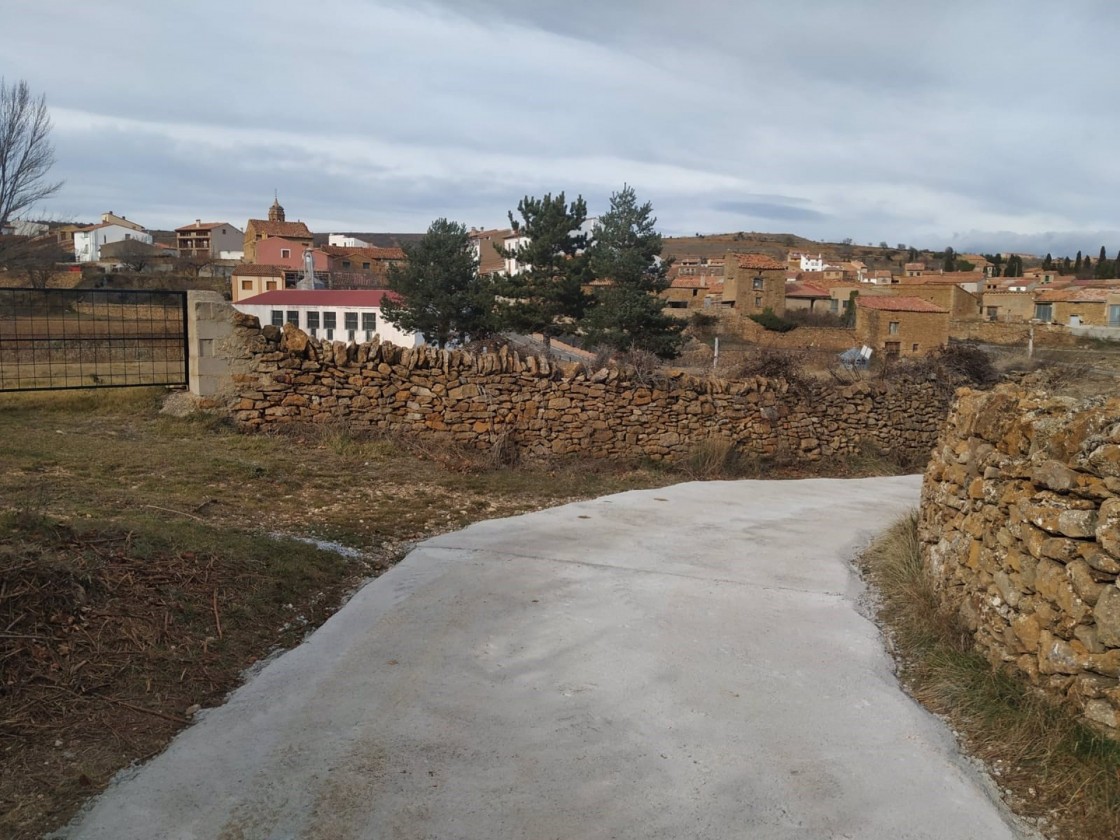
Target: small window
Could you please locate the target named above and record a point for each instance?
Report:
(312, 323)
(293, 317)
(369, 324)
(365, 265)
(277, 317)
(246, 285)
(756, 283)
(892, 348)
(128, 236)
(913, 348)
(350, 320)
(285, 253)
(758, 300)
(270, 284)
(329, 323)
(346, 263)
(892, 328)
(1044, 311)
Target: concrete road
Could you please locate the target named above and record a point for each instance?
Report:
(678, 663)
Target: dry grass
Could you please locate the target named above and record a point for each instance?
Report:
(1050, 767)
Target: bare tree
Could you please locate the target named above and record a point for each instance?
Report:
(35, 259)
(26, 153)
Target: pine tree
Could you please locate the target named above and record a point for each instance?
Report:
(1104, 268)
(1048, 263)
(1077, 264)
(1067, 266)
(547, 295)
(438, 291)
(627, 314)
(950, 262)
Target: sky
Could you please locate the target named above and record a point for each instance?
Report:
(976, 124)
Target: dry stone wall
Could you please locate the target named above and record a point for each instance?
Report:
(543, 408)
(1020, 525)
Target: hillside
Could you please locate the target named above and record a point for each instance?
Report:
(778, 245)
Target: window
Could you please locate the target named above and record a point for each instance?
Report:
(892, 328)
(834, 305)
(1113, 315)
(369, 324)
(270, 284)
(892, 348)
(329, 325)
(312, 323)
(285, 253)
(913, 348)
(758, 300)
(350, 319)
(293, 317)
(277, 317)
(756, 283)
(365, 265)
(246, 285)
(993, 313)
(346, 263)
(128, 236)
(1044, 311)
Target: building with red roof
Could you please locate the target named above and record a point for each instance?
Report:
(329, 314)
(899, 325)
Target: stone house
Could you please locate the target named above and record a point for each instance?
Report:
(962, 304)
(362, 267)
(807, 297)
(895, 325)
(753, 283)
(1003, 305)
(276, 224)
(691, 292)
(1073, 306)
(352, 315)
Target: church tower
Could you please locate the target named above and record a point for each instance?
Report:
(276, 212)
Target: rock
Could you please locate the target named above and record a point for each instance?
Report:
(1106, 614)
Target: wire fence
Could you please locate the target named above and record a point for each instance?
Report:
(91, 338)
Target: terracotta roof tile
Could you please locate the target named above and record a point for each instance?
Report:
(805, 290)
(759, 262)
(203, 226)
(1074, 294)
(287, 229)
(371, 253)
(254, 270)
(896, 303)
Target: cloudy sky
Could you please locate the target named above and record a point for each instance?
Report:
(973, 123)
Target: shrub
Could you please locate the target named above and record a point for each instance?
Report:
(775, 323)
(772, 363)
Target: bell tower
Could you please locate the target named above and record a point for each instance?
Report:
(275, 212)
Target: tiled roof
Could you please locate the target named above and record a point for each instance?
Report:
(197, 226)
(759, 262)
(1074, 295)
(805, 290)
(688, 281)
(259, 270)
(370, 253)
(288, 229)
(319, 297)
(894, 303)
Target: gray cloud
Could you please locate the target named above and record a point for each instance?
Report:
(903, 122)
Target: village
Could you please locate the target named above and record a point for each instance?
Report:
(332, 285)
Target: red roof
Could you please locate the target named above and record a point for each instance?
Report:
(290, 230)
(893, 303)
(805, 290)
(200, 226)
(373, 253)
(259, 270)
(318, 297)
(760, 262)
(1074, 294)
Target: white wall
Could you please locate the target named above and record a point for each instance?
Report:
(87, 243)
(382, 329)
(341, 241)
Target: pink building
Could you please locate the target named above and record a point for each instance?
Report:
(276, 250)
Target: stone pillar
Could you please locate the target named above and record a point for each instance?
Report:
(210, 342)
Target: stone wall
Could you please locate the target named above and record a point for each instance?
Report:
(1020, 526)
(1010, 332)
(545, 408)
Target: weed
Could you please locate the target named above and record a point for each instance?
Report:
(713, 458)
(1052, 764)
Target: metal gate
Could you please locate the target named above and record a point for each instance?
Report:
(91, 338)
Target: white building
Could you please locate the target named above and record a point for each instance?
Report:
(809, 263)
(88, 241)
(342, 241)
(329, 314)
